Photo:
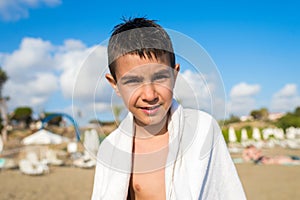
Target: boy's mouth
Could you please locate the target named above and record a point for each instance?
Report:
(150, 110)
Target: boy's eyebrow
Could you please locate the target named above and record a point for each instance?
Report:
(163, 71)
(128, 77)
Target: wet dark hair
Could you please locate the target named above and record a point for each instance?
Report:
(139, 36)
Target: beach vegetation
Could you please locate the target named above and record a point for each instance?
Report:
(291, 119)
(22, 116)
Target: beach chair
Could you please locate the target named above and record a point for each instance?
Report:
(51, 158)
(26, 167)
(32, 166)
(85, 161)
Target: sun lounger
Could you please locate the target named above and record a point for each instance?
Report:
(28, 168)
(83, 163)
(8, 163)
(32, 166)
(51, 158)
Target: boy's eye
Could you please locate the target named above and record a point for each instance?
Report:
(132, 81)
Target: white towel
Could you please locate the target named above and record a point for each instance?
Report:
(198, 166)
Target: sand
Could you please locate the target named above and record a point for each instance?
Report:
(260, 182)
(270, 182)
(61, 183)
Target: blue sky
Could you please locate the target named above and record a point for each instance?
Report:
(254, 44)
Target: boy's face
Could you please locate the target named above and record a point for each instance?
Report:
(146, 87)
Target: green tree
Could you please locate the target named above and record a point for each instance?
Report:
(55, 120)
(288, 120)
(297, 111)
(22, 114)
(261, 114)
(264, 113)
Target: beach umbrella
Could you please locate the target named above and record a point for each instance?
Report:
(256, 134)
(244, 135)
(232, 135)
(279, 133)
(267, 132)
(291, 133)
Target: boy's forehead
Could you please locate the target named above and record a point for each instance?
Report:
(128, 64)
(135, 59)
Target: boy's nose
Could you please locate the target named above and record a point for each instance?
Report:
(149, 93)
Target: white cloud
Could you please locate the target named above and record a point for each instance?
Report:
(33, 54)
(241, 106)
(289, 90)
(244, 90)
(242, 98)
(84, 69)
(31, 76)
(38, 70)
(191, 89)
(201, 91)
(34, 92)
(13, 10)
(286, 99)
(72, 45)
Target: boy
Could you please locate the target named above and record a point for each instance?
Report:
(160, 150)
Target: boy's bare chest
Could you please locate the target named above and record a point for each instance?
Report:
(148, 178)
(150, 154)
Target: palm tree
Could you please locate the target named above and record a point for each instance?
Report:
(3, 79)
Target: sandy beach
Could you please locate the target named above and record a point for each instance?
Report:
(260, 182)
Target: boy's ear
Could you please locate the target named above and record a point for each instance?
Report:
(176, 69)
(113, 83)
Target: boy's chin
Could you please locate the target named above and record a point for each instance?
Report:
(151, 121)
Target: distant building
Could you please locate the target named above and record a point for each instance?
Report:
(246, 118)
(275, 116)
(271, 117)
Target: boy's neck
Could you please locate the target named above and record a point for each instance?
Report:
(149, 131)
